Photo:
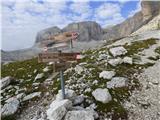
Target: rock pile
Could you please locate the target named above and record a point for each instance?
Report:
(69, 108)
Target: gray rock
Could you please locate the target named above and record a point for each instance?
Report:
(20, 96)
(79, 115)
(69, 94)
(6, 81)
(86, 30)
(115, 62)
(11, 107)
(78, 100)
(128, 60)
(118, 51)
(31, 96)
(58, 109)
(102, 95)
(44, 34)
(117, 82)
(79, 69)
(107, 74)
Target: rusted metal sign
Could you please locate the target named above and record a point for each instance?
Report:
(57, 57)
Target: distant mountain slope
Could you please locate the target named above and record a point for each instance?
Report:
(150, 9)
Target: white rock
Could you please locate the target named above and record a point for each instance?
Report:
(115, 62)
(102, 95)
(107, 74)
(95, 82)
(117, 82)
(87, 90)
(78, 69)
(39, 76)
(20, 96)
(78, 100)
(102, 57)
(69, 94)
(118, 51)
(58, 109)
(128, 60)
(79, 115)
(46, 69)
(10, 108)
(32, 95)
(5, 81)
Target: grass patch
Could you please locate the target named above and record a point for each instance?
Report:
(138, 46)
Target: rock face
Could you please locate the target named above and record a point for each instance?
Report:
(79, 115)
(58, 109)
(42, 35)
(11, 107)
(149, 10)
(86, 30)
(102, 95)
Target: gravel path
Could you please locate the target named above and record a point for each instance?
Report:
(145, 104)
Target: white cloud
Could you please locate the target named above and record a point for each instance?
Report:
(109, 14)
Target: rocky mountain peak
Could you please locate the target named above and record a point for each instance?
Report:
(150, 9)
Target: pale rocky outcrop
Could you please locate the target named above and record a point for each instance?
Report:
(102, 95)
(58, 109)
(117, 82)
(107, 74)
(118, 51)
(11, 107)
(115, 62)
(128, 60)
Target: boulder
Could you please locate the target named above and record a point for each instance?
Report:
(39, 76)
(117, 82)
(58, 109)
(118, 51)
(115, 62)
(79, 115)
(102, 95)
(78, 100)
(31, 96)
(128, 60)
(69, 94)
(107, 74)
(6, 81)
(11, 107)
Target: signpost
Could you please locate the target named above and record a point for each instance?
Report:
(60, 58)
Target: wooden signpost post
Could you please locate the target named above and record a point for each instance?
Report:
(60, 59)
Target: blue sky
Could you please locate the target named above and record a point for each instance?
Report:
(22, 19)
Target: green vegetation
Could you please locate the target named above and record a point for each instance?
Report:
(138, 46)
